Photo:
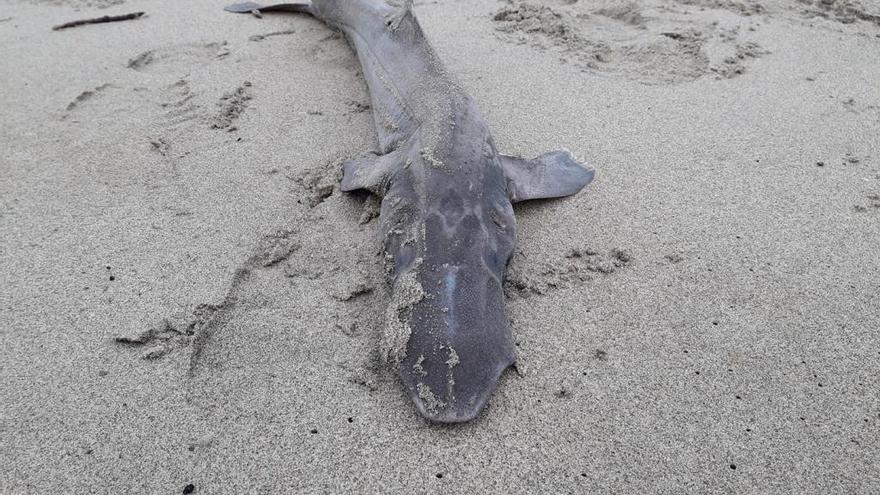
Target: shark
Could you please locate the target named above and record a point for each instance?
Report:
(446, 216)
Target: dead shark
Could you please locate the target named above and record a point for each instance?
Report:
(446, 215)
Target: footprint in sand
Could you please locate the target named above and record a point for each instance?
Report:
(872, 205)
(177, 58)
(628, 40)
(304, 305)
(179, 103)
(86, 96)
(231, 106)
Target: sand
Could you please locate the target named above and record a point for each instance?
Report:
(188, 299)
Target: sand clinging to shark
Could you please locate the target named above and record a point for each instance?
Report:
(446, 216)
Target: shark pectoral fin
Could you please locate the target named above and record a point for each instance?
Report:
(371, 172)
(249, 7)
(552, 175)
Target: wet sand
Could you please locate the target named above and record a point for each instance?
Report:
(188, 298)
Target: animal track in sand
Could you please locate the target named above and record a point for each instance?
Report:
(577, 268)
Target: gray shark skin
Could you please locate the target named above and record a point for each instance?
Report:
(446, 214)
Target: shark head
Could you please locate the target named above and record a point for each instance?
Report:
(459, 342)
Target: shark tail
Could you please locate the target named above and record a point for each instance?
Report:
(304, 6)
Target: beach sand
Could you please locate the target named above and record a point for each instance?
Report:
(188, 299)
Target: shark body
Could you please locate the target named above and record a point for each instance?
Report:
(446, 217)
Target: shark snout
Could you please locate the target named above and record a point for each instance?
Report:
(459, 343)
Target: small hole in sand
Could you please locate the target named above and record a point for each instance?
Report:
(189, 488)
(733, 466)
(112, 278)
(351, 420)
(314, 431)
(439, 475)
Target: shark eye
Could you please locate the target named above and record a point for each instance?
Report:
(500, 218)
(496, 219)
